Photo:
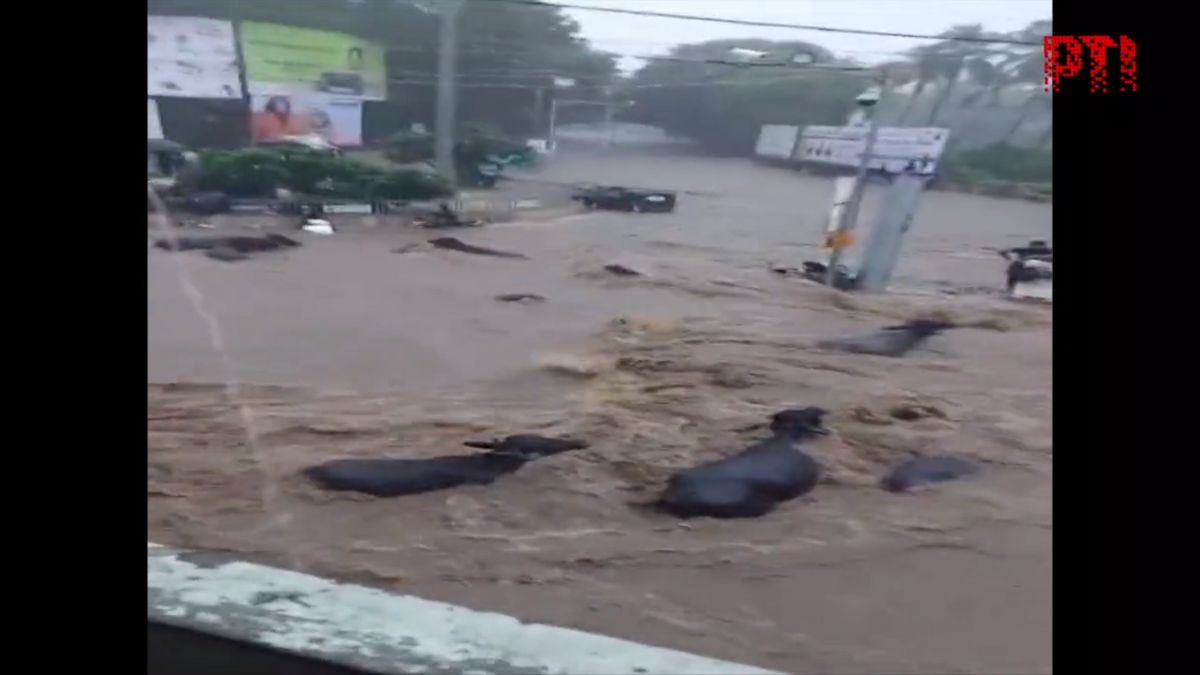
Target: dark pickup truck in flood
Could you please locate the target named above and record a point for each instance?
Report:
(633, 200)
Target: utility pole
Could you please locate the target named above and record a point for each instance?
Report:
(539, 106)
(609, 132)
(609, 111)
(553, 122)
(867, 102)
(447, 53)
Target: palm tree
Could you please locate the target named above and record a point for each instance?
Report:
(1025, 66)
(1037, 96)
(927, 72)
(955, 56)
(991, 79)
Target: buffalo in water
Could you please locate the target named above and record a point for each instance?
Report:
(399, 477)
(754, 481)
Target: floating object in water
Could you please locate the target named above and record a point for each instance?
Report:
(240, 244)
(452, 244)
(622, 271)
(225, 254)
(520, 297)
(894, 341)
(317, 226)
(925, 471)
(844, 279)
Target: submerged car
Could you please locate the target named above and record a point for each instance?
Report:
(633, 200)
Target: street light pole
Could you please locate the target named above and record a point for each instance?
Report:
(840, 240)
(539, 109)
(553, 122)
(447, 53)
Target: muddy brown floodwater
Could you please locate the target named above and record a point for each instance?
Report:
(345, 348)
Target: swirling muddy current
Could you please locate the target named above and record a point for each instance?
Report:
(346, 348)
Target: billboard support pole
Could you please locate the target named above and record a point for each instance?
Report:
(447, 51)
(237, 49)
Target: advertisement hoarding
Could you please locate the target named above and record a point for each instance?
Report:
(336, 119)
(896, 148)
(191, 57)
(286, 60)
(776, 141)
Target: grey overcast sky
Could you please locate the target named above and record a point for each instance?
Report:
(625, 35)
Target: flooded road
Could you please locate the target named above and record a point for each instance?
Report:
(347, 348)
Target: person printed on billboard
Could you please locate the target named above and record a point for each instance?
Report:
(276, 119)
(354, 59)
(322, 125)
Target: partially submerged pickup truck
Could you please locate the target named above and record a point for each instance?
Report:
(633, 200)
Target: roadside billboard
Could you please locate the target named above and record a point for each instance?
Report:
(191, 57)
(336, 119)
(896, 148)
(286, 61)
(776, 141)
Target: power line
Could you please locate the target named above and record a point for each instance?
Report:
(666, 85)
(739, 64)
(769, 24)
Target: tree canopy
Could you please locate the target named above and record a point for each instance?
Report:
(965, 85)
(702, 91)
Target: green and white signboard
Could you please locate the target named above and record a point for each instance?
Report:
(290, 61)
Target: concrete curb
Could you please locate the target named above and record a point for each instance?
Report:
(381, 632)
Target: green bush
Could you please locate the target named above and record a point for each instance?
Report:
(406, 147)
(1001, 162)
(473, 148)
(257, 172)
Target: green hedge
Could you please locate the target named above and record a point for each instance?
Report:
(257, 172)
(473, 148)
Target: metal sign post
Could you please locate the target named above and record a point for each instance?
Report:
(841, 239)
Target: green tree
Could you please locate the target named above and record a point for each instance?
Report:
(950, 59)
(699, 91)
(928, 69)
(1025, 66)
(1009, 65)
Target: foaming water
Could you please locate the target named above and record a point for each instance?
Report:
(233, 385)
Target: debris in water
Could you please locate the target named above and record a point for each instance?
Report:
(317, 226)
(520, 297)
(894, 341)
(622, 271)
(452, 244)
(241, 244)
(225, 254)
(925, 471)
(911, 412)
(576, 365)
